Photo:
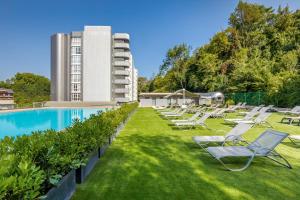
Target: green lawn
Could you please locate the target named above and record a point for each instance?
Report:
(150, 160)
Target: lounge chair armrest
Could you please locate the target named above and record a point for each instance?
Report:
(231, 138)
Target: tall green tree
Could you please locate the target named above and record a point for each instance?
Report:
(258, 51)
(28, 88)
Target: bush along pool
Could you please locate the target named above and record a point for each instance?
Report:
(34, 166)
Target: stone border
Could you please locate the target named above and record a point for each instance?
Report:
(44, 108)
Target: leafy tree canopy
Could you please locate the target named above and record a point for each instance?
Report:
(258, 51)
(28, 88)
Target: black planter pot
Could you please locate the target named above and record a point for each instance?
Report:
(84, 171)
(103, 149)
(65, 188)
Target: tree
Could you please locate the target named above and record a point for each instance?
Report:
(175, 63)
(258, 51)
(28, 88)
(143, 84)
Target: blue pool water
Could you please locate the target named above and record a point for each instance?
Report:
(24, 122)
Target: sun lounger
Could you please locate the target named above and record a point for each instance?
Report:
(234, 135)
(234, 108)
(260, 119)
(263, 146)
(192, 118)
(291, 119)
(159, 107)
(295, 138)
(200, 122)
(218, 113)
(246, 113)
(177, 114)
(248, 116)
(294, 111)
(175, 111)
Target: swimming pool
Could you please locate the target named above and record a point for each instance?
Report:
(25, 122)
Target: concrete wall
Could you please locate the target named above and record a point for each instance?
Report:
(146, 102)
(97, 50)
(135, 84)
(161, 102)
(78, 104)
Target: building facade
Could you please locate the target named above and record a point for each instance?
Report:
(92, 66)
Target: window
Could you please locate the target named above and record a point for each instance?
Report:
(119, 41)
(76, 41)
(76, 50)
(75, 97)
(75, 59)
(75, 78)
(76, 69)
(76, 87)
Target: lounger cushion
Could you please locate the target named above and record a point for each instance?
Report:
(232, 151)
(180, 120)
(233, 120)
(296, 137)
(246, 121)
(185, 123)
(203, 139)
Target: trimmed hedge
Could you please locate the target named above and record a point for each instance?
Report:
(30, 165)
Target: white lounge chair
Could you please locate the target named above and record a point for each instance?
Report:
(175, 111)
(176, 115)
(248, 116)
(244, 113)
(294, 111)
(192, 118)
(291, 119)
(200, 122)
(263, 146)
(295, 139)
(234, 108)
(259, 120)
(234, 135)
(159, 107)
(218, 113)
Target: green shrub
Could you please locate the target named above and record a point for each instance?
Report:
(31, 164)
(19, 179)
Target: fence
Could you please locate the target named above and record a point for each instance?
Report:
(251, 98)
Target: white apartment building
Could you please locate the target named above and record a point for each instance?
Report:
(92, 66)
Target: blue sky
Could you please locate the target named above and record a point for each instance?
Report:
(154, 26)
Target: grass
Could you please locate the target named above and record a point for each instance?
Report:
(151, 160)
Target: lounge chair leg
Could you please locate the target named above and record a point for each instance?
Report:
(293, 141)
(239, 169)
(203, 146)
(286, 163)
(269, 124)
(203, 124)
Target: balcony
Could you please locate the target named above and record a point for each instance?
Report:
(122, 54)
(121, 90)
(122, 81)
(122, 99)
(121, 36)
(121, 72)
(122, 63)
(121, 45)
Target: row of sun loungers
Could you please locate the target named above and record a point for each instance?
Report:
(263, 146)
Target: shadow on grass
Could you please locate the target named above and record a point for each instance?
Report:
(163, 167)
(154, 162)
